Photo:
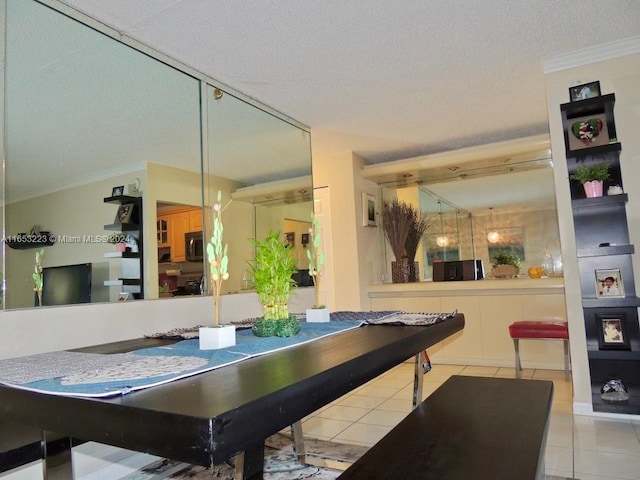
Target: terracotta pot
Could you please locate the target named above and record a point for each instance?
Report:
(593, 189)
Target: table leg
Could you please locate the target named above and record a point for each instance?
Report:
(418, 372)
(250, 463)
(298, 441)
(56, 457)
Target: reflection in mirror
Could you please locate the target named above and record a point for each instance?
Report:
(516, 201)
(262, 165)
(84, 114)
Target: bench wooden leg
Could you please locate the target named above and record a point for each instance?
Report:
(516, 345)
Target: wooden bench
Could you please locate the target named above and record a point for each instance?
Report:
(470, 428)
(540, 330)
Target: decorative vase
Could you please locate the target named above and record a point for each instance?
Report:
(405, 271)
(214, 338)
(316, 315)
(593, 189)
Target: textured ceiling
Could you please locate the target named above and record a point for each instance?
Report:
(386, 79)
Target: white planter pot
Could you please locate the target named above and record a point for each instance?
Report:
(318, 315)
(213, 338)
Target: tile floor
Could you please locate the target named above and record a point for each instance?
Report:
(580, 447)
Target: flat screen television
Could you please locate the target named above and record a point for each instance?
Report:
(66, 284)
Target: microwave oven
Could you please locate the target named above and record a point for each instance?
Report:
(194, 246)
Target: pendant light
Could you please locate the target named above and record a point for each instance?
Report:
(442, 240)
(492, 235)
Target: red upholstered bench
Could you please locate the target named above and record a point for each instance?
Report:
(545, 330)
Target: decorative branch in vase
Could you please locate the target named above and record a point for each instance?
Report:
(419, 224)
(37, 276)
(217, 256)
(315, 255)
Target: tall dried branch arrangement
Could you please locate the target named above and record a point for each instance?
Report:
(396, 220)
(419, 225)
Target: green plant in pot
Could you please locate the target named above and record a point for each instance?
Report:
(37, 276)
(505, 265)
(315, 255)
(218, 336)
(592, 178)
(272, 271)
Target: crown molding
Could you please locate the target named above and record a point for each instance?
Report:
(599, 53)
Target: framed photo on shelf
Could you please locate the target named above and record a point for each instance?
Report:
(123, 215)
(123, 297)
(588, 131)
(584, 91)
(609, 283)
(369, 217)
(117, 191)
(612, 332)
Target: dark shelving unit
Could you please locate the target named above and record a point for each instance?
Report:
(602, 242)
(132, 280)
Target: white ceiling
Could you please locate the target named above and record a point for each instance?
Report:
(387, 79)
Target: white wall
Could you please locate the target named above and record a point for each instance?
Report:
(622, 77)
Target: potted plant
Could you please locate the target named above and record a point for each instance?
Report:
(592, 178)
(218, 336)
(273, 268)
(37, 276)
(505, 265)
(315, 255)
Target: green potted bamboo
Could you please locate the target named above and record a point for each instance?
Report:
(273, 269)
(592, 178)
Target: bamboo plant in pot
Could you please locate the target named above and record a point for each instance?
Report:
(315, 255)
(592, 178)
(272, 270)
(218, 336)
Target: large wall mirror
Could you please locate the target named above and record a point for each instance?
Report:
(86, 114)
(499, 204)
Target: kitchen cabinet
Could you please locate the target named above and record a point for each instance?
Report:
(604, 249)
(171, 228)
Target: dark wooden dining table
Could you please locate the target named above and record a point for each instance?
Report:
(211, 417)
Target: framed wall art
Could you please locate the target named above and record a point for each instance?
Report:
(609, 283)
(612, 332)
(369, 214)
(584, 91)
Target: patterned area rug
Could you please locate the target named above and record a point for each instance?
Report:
(280, 463)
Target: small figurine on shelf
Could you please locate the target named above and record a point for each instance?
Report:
(37, 276)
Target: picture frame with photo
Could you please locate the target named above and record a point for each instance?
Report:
(612, 332)
(123, 215)
(123, 297)
(609, 283)
(584, 91)
(369, 213)
(117, 191)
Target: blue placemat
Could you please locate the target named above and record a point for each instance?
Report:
(109, 375)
